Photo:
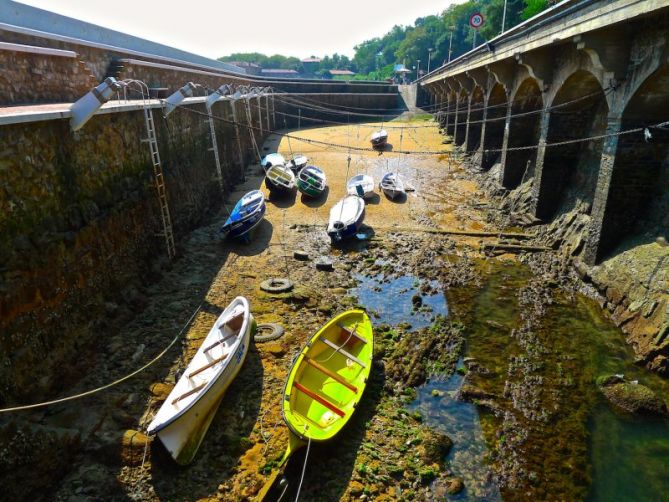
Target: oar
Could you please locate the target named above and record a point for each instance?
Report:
(294, 444)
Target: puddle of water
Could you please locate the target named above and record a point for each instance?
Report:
(390, 300)
(460, 421)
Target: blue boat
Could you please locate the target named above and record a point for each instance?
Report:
(345, 218)
(247, 213)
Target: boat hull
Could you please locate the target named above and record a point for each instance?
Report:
(182, 431)
(240, 228)
(328, 377)
(345, 228)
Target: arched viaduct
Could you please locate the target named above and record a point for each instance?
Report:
(526, 101)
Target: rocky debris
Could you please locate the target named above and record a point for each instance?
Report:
(631, 396)
(133, 446)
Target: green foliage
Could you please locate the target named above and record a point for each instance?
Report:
(533, 7)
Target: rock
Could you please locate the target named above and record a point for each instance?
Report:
(632, 397)
(300, 255)
(454, 485)
(417, 301)
(434, 447)
(161, 390)
(356, 488)
(133, 446)
(662, 241)
(276, 349)
(469, 392)
(324, 263)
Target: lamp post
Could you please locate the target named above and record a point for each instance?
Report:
(86, 106)
(450, 43)
(504, 16)
(417, 69)
(429, 57)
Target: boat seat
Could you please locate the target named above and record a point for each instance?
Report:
(319, 399)
(222, 340)
(342, 351)
(359, 190)
(211, 363)
(189, 393)
(351, 332)
(331, 374)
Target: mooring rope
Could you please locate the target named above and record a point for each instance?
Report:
(304, 469)
(107, 386)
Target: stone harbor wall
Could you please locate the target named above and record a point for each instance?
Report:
(79, 230)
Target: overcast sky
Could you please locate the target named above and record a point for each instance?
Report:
(215, 28)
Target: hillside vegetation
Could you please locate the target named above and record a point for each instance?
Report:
(427, 38)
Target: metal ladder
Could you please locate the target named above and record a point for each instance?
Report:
(160, 182)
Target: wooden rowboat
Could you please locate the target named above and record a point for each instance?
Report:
(361, 185)
(379, 139)
(184, 418)
(392, 185)
(326, 382)
(280, 178)
(311, 181)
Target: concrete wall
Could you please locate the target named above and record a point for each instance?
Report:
(31, 74)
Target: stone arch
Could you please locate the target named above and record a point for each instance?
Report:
(496, 104)
(638, 197)
(569, 172)
(476, 104)
(460, 125)
(526, 104)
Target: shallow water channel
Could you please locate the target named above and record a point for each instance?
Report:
(549, 411)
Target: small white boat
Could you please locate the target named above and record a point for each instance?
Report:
(298, 162)
(346, 217)
(272, 159)
(280, 178)
(184, 418)
(379, 139)
(392, 185)
(361, 185)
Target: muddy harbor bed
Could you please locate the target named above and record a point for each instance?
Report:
(483, 386)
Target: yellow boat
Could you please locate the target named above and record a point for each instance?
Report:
(326, 382)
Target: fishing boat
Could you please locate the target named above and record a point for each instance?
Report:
(311, 181)
(272, 159)
(345, 218)
(280, 178)
(361, 185)
(183, 419)
(379, 139)
(326, 382)
(298, 162)
(392, 185)
(245, 216)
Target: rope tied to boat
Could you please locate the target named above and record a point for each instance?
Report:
(109, 385)
(304, 469)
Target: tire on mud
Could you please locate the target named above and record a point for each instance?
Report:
(276, 285)
(271, 331)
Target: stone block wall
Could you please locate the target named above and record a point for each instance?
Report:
(30, 77)
(78, 230)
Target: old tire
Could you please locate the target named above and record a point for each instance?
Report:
(276, 285)
(268, 331)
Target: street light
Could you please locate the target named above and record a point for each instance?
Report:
(176, 98)
(87, 105)
(450, 43)
(417, 69)
(429, 56)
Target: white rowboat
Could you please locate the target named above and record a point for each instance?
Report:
(392, 185)
(361, 185)
(184, 418)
